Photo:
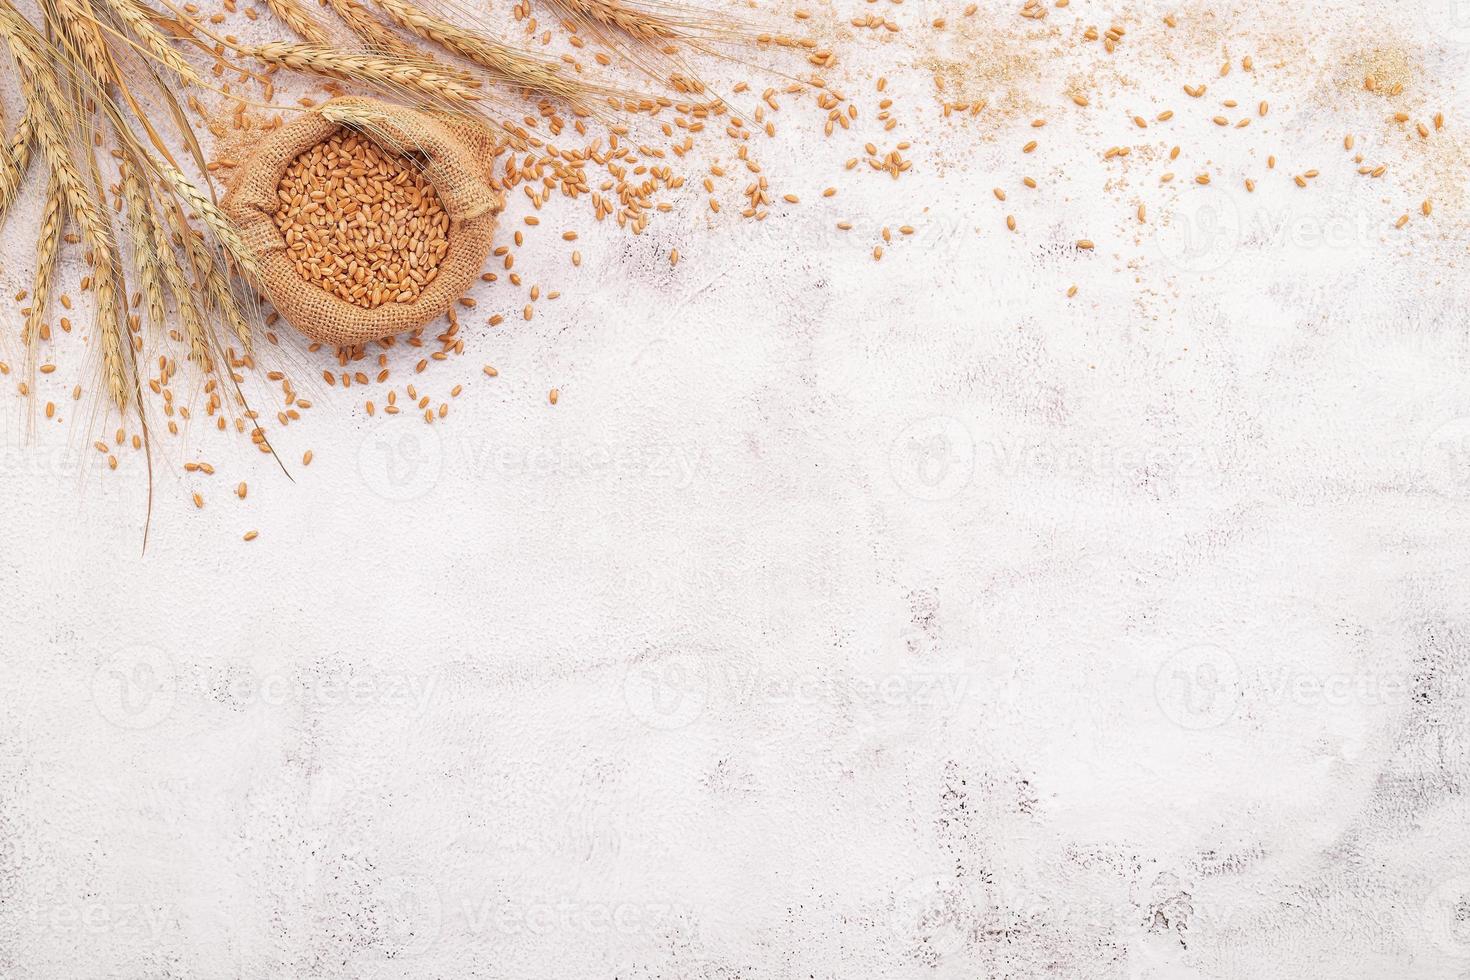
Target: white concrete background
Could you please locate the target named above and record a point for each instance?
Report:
(845, 619)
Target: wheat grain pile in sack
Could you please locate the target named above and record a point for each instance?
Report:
(367, 219)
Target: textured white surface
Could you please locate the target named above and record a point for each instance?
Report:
(845, 619)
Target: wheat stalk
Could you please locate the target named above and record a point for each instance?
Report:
(109, 289)
(502, 60)
(224, 301)
(365, 68)
(217, 290)
(145, 251)
(46, 108)
(221, 226)
(15, 160)
(96, 234)
(301, 22)
(47, 249)
(73, 22)
(189, 315)
(154, 41)
(635, 22)
(375, 35)
(109, 319)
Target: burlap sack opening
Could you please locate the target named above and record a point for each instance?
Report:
(457, 157)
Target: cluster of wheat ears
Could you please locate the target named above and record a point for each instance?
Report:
(162, 259)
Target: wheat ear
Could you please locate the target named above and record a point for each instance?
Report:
(219, 224)
(503, 61)
(366, 69)
(189, 315)
(44, 107)
(375, 35)
(145, 251)
(75, 24)
(15, 160)
(224, 301)
(109, 318)
(302, 23)
(640, 24)
(110, 291)
(217, 293)
(48, 248)
(153, 41)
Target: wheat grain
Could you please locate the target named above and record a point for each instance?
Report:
(360, 222)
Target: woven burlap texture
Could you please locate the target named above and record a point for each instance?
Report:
(456, 156)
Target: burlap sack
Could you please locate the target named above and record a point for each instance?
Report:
(457, 157)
